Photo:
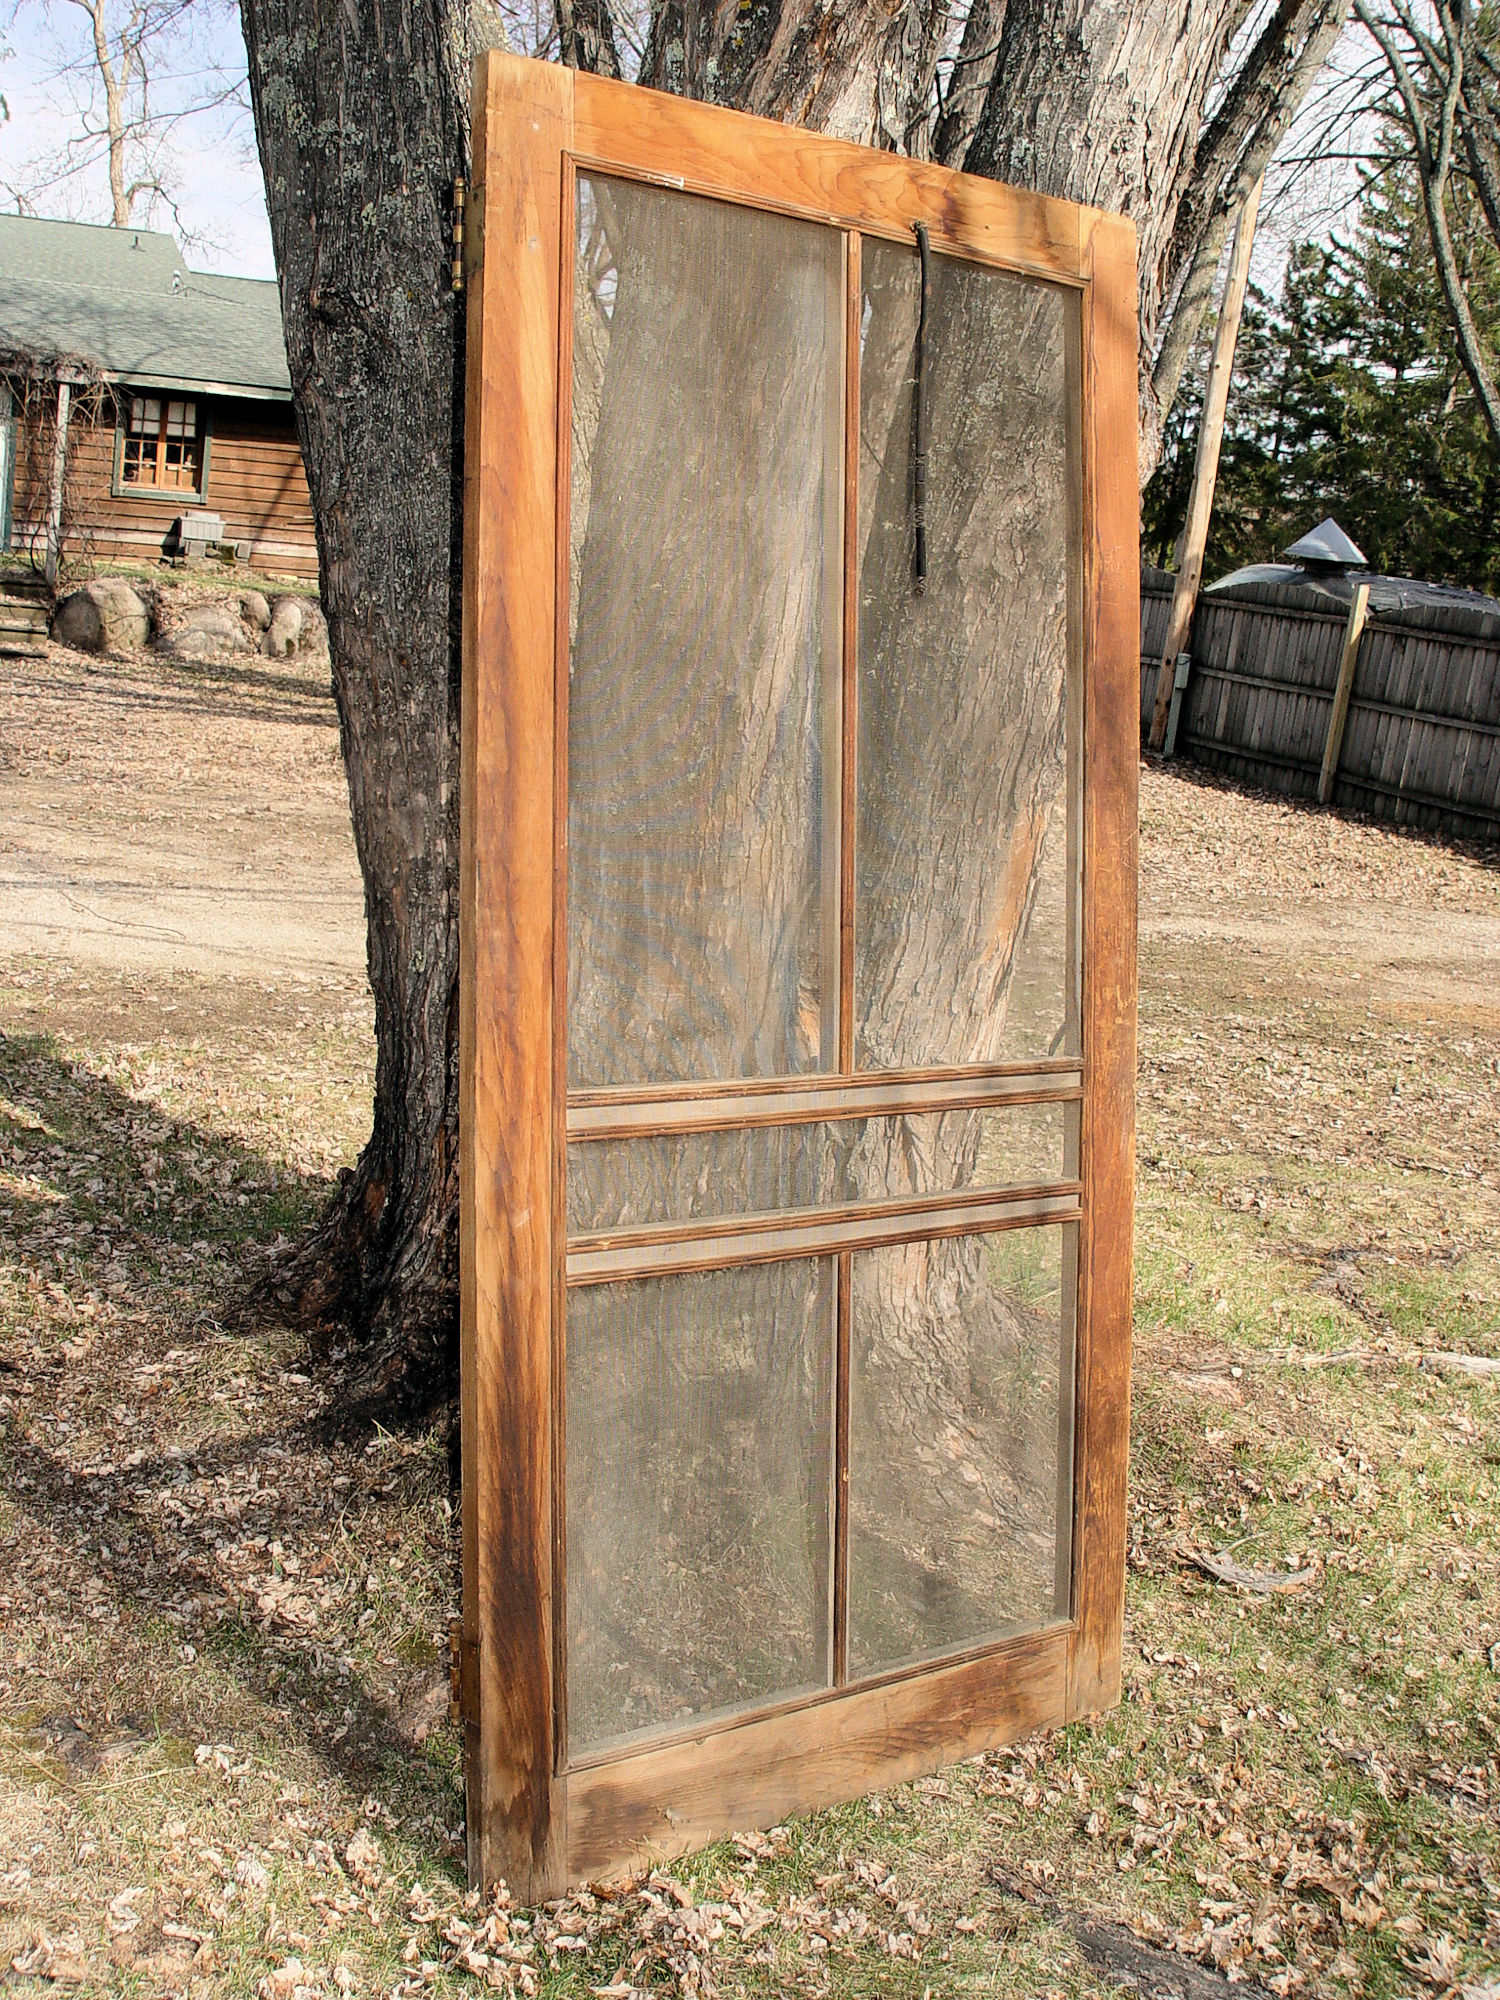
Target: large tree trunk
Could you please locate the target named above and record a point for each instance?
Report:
(361, 116)
(362, 119)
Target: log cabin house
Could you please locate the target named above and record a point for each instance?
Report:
(144, 408)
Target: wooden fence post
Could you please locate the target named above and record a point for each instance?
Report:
(1206, 466)
(1358, 606)
(1179, 696)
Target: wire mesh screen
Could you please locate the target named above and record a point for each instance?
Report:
(960, 1442)
(618, 1183)
(703, 929)
(699, 1476)
(964, 915)
(707, 440)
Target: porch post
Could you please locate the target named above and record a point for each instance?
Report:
(55, 485)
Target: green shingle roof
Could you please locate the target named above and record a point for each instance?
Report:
(124, 302)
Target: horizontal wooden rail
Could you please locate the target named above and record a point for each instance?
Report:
(711, 1243)
(1006, 1642)
(632, 1810)
(1283, 760)
(1429, 718)
(814, 1100)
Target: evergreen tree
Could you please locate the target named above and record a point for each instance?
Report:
(1349, 399)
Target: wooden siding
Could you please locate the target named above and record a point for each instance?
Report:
(1422, 742)
(255, 481)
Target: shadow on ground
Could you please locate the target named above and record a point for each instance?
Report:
(238, 1530)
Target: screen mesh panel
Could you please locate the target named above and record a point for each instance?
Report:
(706, 544)
(960, 1442)
(621, 1183)
(962, 856)
(699, 1474)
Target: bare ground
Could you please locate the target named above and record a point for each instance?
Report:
(224, 1760)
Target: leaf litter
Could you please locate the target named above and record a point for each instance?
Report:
(222, 1710)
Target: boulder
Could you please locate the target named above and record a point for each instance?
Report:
(206, 632)
(105, 616)
(296, 631)
(314, 632)
(254, 609)
(280, 641)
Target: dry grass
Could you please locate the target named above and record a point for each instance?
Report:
(223, 1745)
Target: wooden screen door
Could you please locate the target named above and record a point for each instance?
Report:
(798, 969)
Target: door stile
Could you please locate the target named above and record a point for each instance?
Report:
(1111, 756)
(1071, 1423)
(849, 706)
(1078, 518)
(840, 1625)
(848, 779)
(516, 1808)
(562, 589)
(1065, 1601)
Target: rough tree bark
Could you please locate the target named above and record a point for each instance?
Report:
(361, 117)
(1232, 156)
(362, 120)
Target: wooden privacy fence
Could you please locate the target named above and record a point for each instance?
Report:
(1421, 741)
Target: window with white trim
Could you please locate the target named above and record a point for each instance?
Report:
(163, 444)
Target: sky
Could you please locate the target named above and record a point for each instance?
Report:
(209, 166)
(207, 161)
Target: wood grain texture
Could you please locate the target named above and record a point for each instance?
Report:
(699, 147)
(533, 1820)
(843, 1326)
(821, 1098)
(1338, 714)
(1419, 743)
(713, 1243)
(849, 660)
(1111, 770)
(626, 1815)
(515, 1814)
(1053, 1069)
(562, 536)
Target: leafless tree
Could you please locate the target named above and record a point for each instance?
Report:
(1253, 115)
(1157, 108)
(1414, 85)
(1444, 97)
(137, 71)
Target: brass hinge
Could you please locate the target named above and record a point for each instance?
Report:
(457, 269)
(463, 1674)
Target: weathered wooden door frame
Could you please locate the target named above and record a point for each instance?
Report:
(532, 1819)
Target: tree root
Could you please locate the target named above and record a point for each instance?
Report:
(1126, 1960)
(374, 1285)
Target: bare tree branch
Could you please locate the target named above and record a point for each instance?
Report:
(1482, 152)
(1430, 120)
(124, 121)
(1232, 155)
